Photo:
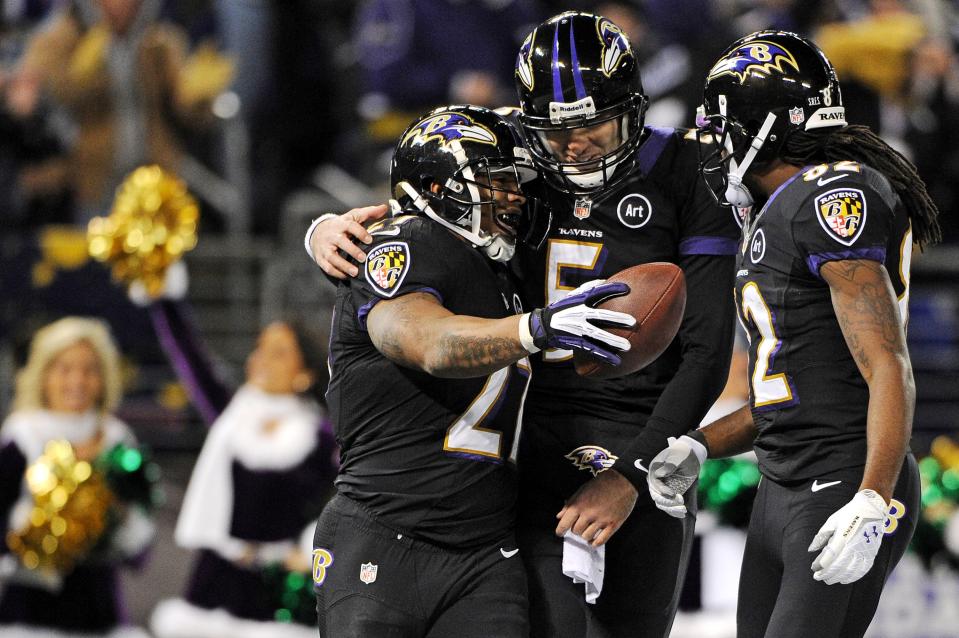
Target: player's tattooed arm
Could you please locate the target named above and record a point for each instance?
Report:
(868, 315)
(415, 331)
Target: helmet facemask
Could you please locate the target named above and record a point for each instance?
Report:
(459, 203)
(578, 71)
(735, 151)
(594, 173)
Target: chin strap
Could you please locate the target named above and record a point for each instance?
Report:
(496, 247)
(736, 193)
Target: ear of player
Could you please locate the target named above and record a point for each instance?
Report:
(568, 323)
(673, 471)
(850, 539)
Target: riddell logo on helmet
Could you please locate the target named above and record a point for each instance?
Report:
(558, 111)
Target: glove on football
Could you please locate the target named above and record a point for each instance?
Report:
(566, 324)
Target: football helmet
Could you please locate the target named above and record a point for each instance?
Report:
(574, 71)
(435, 168)
(762, 89)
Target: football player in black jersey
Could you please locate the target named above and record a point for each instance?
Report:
(621, 193)
(822, 287)
(429, 368)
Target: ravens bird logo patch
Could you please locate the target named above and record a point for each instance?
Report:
(592, 458)
(842, 213)
(387, 266)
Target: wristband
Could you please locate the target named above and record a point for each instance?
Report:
(525, 336)
(699, 437)
(309, 232)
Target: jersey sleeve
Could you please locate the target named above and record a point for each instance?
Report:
(413, 260)
(844, 219)
(706, 228)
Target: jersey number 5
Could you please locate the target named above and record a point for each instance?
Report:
(562, 257)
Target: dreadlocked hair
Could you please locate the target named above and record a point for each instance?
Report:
(859, 144)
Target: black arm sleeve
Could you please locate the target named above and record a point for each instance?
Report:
(707, 340)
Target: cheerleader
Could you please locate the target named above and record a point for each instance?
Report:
(262, 477)
(64, 399)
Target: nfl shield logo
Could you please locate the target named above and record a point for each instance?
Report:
(581, 208)
(368, 572)
(796, 116)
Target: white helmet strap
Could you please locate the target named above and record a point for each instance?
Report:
(736, 193)
(496, 247)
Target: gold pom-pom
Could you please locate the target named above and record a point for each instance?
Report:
(71, 505)
(152, 223)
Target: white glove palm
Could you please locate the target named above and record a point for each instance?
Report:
(673, 471)
(851, 538)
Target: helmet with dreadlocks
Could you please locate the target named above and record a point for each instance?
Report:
(774, 95)
(762, 89)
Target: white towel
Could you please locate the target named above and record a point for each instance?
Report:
(584, 564)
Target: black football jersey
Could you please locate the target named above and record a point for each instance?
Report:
(430, 457)
(662, 212)
(808, 398)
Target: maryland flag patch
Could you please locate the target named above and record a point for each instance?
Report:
(842, 213)
(386, 267)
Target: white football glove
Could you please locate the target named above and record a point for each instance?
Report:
(851, 536)
(673, 471)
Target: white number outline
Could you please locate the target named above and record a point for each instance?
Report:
(905, 267)
(756, 311)
(582, 255)
(819, 169)
(467, 436)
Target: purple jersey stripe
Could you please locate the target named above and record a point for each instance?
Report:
(557, 81)
(476, 457)
(875, 253)
(653, 147)
(577, 74)
(364, 311)
(708, 246)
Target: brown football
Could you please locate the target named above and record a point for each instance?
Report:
(657, 298)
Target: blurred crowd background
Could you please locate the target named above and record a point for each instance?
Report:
(273, 111)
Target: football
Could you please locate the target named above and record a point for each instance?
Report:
(657, 299)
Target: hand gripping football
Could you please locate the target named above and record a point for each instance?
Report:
(657, 300)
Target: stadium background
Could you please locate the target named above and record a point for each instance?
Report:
(282, 110)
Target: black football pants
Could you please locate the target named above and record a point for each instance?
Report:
(778, 597)
(646, 558)
(372, 582)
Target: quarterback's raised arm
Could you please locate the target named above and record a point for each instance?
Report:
(416, 331)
